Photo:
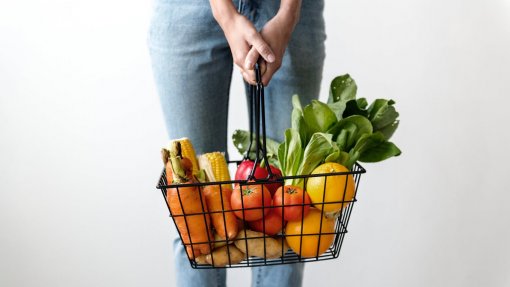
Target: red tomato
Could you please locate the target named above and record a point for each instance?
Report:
(276, 174)
(271, 224)
(244, 170)
(246, 166)
(250, 196)
(293, 198)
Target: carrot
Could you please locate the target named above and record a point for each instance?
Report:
(218, 196)
(221, 220)
(187, 200)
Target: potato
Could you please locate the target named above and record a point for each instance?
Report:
(219, 241)
(205, 259)
(201, 260)
(279, 253)
(220, 256)
(256, 245)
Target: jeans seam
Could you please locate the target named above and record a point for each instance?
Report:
(218, 281)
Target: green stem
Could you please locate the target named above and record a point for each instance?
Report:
(179, 174)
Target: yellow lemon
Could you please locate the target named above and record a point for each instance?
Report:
(331, 193)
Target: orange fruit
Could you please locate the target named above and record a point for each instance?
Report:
(306, 246)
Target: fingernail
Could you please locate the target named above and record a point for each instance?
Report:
(270, 58)
(248, 65)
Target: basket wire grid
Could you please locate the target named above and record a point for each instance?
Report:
(257, 120)
(288, 256)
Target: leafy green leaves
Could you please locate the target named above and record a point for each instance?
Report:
(383, 116)
(362, 132)
(241, 141)
(290, 152)
(349, 130)
(316, 151)
(318, 117)
(344, 130)
(342, 89)
(375, 148)
(338, 108)
(319, 147)
(298, 120)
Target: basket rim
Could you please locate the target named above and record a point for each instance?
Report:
(359, 170)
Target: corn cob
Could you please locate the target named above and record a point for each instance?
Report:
(187, 152)
(215, 167)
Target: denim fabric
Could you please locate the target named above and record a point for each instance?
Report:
(192, 66)
(286, 275)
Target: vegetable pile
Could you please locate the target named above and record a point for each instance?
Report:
(213, 219)
(265, 215)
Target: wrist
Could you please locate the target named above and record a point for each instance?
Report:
(286, 22)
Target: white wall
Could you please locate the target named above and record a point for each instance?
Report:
(81, 129)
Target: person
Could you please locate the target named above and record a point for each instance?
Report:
(193, 46)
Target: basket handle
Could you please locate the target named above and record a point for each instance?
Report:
(257, 124)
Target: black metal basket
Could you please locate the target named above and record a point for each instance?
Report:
(288, 256)
(306, 239)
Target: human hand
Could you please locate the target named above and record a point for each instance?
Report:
(243, 37)
(276, 33)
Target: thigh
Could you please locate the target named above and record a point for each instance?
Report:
(301, 70)
(185, 276)
(286, 275)
(192, 67)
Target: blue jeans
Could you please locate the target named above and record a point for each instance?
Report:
(192, 66)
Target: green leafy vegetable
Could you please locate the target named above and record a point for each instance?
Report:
(382, 114)
(346, 160)
(317, 150)
(291, 153)
(282, 157)
(388, 130)
(241, 140)
(352, 108)
(338, 108)
(296, 103)
(319, 147)
(345, 130)
(298, 120)
(342, 89)
(362, 103)
(349, 130)
(334, 156)
(319, 117)
(375, 148)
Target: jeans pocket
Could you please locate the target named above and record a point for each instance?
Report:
(180, 23)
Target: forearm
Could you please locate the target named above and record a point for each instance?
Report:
(223, 11)
(289, 11)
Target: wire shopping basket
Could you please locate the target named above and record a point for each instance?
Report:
(315, 234)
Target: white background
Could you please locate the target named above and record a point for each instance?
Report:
(81, 128)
